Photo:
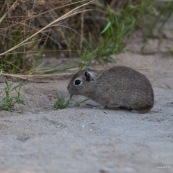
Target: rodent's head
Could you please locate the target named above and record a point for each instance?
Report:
(82, 82)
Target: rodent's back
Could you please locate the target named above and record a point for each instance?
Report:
(124, 78)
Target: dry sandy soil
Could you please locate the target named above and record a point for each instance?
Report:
(92, 140)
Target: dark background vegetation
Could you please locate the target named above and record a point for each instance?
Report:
(91, 32)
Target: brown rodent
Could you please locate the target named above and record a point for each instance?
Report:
(118, 87)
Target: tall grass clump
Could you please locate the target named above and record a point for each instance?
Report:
(26, 27)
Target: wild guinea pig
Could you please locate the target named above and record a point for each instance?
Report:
(119, 87)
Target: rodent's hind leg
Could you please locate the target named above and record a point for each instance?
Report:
(142, 110)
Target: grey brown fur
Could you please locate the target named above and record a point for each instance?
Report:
(118, 87)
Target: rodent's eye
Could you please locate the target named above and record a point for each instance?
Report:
(77, 82)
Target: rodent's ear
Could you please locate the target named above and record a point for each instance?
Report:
(89, 76)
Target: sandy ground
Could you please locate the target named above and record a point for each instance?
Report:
(92, 140)
(85, 139)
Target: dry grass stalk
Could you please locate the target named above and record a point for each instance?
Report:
(37, 78)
